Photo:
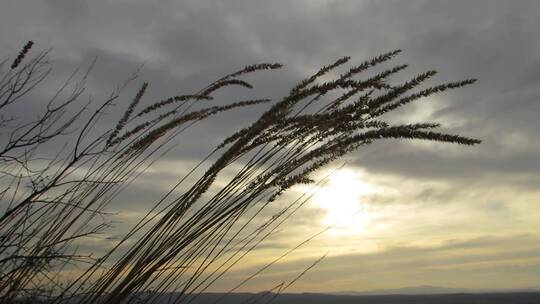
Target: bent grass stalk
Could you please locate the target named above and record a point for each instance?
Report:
(188, 242)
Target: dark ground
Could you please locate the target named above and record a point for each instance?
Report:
(476, 298)
(313, 298)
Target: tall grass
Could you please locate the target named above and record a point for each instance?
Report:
(187, 241)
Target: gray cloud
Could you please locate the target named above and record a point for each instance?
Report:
(186, 44)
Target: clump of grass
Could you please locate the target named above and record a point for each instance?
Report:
(50, 205)
(298, 135)
(185, 243)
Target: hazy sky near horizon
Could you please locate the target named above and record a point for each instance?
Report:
(424, 213)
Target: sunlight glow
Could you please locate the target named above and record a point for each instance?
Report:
(341, 198)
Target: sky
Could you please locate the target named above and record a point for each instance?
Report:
(411, 213)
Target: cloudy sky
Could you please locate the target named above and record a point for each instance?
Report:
(423, 213)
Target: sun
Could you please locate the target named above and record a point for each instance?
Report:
(341, 200)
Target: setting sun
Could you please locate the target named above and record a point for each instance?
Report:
(341, 199)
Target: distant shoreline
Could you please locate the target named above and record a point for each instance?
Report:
(515, 297)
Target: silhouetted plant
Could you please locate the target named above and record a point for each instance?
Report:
(187, 242)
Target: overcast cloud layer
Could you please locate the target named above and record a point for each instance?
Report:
(442, 215)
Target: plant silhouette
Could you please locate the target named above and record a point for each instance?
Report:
(186, 241)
